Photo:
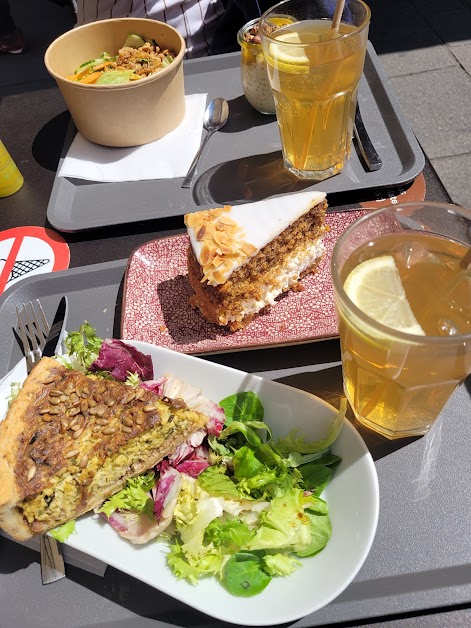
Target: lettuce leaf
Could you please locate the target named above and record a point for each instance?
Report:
(133, 497)
(284, 524)
(61, 533)
(83, 347)
(244, 574)
(192, 568)
(280, 564)
(294, 442)
(242, 406)
(216, 482)
(231, 535)
(321, 531)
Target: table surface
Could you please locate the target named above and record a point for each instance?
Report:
(34, 124)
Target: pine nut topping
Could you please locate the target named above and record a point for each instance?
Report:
(150, 408)
(140, 392)
(31, 473)
(71, 454)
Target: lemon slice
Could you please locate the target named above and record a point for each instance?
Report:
(376, 288)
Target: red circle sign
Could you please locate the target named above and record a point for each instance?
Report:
(27, 251)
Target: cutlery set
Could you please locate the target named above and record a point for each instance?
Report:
(41, 339)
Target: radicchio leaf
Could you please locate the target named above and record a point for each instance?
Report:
(165, 497)
(119, 359)
(137, 527)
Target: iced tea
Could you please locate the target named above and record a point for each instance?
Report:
(398, 382)
(314, 73)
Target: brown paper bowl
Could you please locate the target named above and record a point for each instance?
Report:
(120, 115)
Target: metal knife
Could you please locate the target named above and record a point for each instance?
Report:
(52, 561)
(55, 331)
(368, 152)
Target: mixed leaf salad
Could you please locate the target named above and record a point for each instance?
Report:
(230, 502)
(137, 59)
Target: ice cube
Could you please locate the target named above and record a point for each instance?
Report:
(446, 327)
(412, 252)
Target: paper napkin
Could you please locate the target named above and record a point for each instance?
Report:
(71, 555)
(167, 158)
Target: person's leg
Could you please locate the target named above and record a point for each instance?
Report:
(7, 25)
(11, 39)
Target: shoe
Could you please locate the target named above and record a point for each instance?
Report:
(13, 43)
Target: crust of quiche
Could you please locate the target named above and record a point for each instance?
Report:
(69, 441)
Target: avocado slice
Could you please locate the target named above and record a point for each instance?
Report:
(115, 77)
(134, 41)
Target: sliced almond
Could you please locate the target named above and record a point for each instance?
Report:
(217, 261)
(218, 277)
(227, 220)
(191, 220)
(205, 255)
(247, 248)
(200, 233)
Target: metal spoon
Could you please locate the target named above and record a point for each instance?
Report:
(215, 117)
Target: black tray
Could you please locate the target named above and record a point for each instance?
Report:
(243, 162)
(421, 555)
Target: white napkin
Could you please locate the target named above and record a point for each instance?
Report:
(71, 555)
(167, 158)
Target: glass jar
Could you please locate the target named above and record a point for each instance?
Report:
(254, 75)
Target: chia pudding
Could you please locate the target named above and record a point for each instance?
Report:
(253, 69)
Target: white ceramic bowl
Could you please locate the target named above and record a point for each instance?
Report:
(352, 497)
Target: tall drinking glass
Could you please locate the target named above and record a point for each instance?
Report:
(402, 287)
(314, 72)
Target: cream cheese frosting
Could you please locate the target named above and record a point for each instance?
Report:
(224, 239)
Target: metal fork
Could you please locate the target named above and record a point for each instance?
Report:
(33, 330)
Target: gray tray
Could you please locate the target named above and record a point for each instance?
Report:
(243, 161)
(421, 555)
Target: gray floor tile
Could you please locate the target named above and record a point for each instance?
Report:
(454, 174)
(454, 27)
(401, 29)
(463, 55)
(433, 6)
(418, 60)
(41, 22)
(437, 106)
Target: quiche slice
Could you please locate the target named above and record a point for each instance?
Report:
(70, 440)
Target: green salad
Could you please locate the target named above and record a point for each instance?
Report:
(233, 502)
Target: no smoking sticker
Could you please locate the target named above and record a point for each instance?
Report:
(28, 251)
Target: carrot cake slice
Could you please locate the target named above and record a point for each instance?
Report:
(242, 257)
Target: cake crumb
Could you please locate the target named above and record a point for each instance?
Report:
(163, 329)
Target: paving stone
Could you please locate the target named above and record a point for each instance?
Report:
(436, 104)
(41, 23)
(418, 60)
(463, 55)
(454, 174)
(400, 27)
(454, 27)
(433, 6)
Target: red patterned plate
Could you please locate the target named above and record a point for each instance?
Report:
(156, 309)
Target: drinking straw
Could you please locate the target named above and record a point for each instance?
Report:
(337, 14)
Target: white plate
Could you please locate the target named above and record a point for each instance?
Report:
(352, 496)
